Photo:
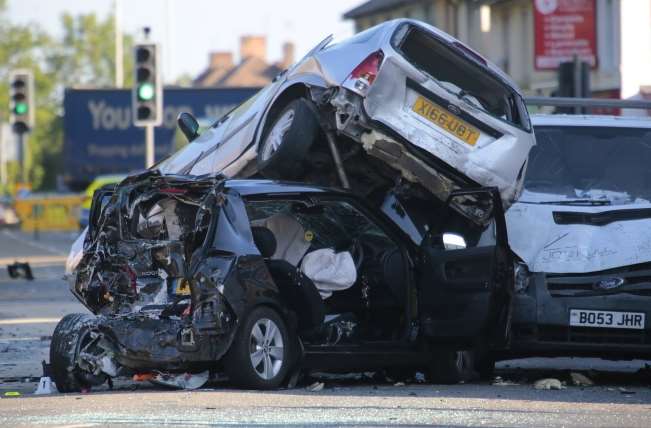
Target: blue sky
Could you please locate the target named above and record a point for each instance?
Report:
(197, 27)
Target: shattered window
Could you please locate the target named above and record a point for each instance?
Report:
(584, 164)
(457, 74)
(330, 224)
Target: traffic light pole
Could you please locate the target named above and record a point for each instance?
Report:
(149, 145)
(21, 156)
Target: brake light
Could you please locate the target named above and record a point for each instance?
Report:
(366, 72)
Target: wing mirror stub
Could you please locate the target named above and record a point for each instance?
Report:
(188, 125)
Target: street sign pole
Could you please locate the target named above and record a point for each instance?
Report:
(149, 145)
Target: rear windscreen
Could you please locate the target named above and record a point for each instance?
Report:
(456, 73)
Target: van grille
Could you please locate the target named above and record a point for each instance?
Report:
(637, 280)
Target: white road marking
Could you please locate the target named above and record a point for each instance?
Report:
(17, 321)
(35, 260)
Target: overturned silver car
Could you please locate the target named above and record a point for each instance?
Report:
(400, 103)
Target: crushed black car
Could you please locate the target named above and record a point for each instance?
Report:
(259, 279)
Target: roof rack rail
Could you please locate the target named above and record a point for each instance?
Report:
(587, 102)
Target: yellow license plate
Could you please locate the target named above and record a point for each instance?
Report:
(182, 287)
(446, 120)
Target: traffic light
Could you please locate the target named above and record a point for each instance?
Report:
(21, 101)
(147, 94)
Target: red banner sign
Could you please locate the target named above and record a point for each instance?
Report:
(564, 28)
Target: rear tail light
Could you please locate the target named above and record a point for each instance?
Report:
(365, 73)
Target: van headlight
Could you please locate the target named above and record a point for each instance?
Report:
(522, 277)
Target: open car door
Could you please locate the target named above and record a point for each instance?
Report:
(467, 274)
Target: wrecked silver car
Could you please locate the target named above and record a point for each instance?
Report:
(400, 102)
(258, 279)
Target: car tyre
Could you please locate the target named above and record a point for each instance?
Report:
(287, 140)
(450, 367)
(262, 351)
(64, 349)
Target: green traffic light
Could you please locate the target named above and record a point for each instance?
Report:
(20, 108)
(146, 92)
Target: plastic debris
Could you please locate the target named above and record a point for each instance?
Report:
(498, 381)
(316, 387)
(142, 377)
(549, 383)
(579, 379)
(12, 394)
(181, 381)
(626, 391)
(17, 269)
(45, 386)
(399, 384)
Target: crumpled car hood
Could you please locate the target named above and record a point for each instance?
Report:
(546, 246)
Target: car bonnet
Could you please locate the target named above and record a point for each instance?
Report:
(547, 246)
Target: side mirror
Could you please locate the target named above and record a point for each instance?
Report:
(188, 125)
(452, 241)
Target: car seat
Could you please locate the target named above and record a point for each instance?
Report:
(296, 289)
(291, 244)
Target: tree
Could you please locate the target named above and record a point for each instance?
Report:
(24, 46)
(84, 56)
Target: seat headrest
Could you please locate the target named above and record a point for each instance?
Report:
(265, 240)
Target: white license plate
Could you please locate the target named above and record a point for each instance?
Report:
(606, 319)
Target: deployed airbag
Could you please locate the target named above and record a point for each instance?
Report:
(329, 271)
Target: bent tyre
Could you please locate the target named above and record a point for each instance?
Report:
(262, 351)
(64, 349)
(287, 140)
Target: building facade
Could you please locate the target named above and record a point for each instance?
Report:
(505, 32)
(253, 70)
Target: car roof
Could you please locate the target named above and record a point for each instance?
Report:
(254, 187)
(591, 120)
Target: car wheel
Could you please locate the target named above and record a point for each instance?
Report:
(450, 367)
(262, 351)
(287, 140)
(68, 338)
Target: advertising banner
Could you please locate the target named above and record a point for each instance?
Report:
(564, 28)
(99, 137)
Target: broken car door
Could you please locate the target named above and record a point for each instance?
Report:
(466, 281)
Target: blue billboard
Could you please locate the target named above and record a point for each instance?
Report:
(99, 137)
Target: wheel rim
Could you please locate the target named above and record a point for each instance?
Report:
(275, 138)
(266, 348)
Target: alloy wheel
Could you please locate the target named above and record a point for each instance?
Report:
(266, 348)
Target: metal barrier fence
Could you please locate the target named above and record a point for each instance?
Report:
(51, 213)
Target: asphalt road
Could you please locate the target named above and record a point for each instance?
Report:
(29, 311)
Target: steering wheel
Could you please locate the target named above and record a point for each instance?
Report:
(356, 250)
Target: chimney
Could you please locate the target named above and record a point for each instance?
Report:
(253, 47)
(288, 54)
(221, 60)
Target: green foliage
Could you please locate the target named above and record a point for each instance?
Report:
(84, 56)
